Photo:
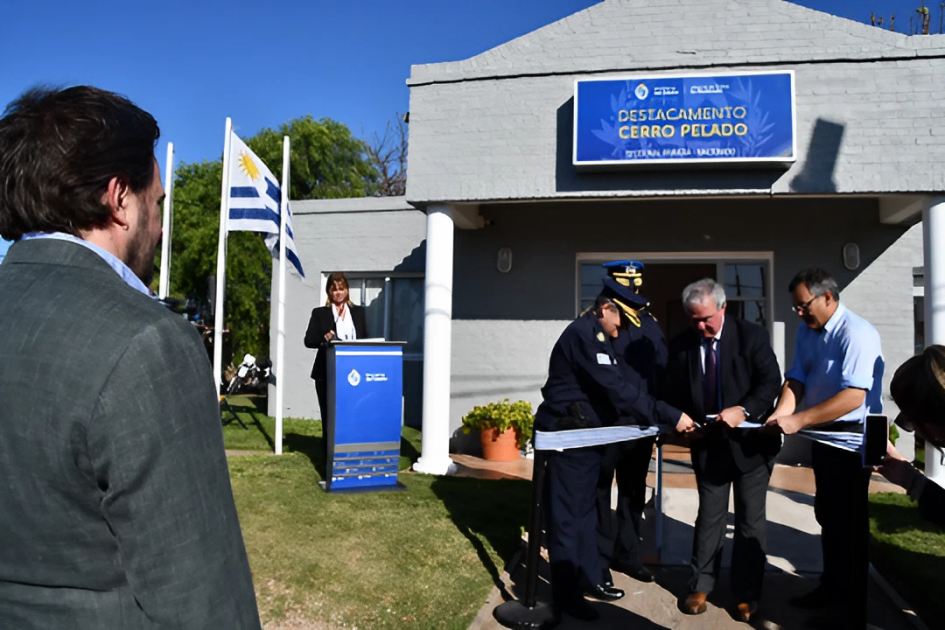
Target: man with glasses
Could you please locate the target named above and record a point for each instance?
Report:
(721, 372)
(838, 372)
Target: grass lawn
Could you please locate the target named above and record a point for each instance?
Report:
(424, 558)
(909, 552)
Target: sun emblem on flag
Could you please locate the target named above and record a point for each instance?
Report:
(248, 166)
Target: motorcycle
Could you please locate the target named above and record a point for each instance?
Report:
(250, 377)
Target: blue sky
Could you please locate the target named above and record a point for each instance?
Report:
(193, 63)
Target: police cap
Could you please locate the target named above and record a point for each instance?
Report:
(629, 273)
(624, 297)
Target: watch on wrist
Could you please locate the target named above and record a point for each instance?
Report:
(745, 411)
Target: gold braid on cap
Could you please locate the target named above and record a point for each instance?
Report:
(631, 314)
(629, 279)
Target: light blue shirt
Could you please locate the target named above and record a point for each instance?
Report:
(120, 268)
(846, 353)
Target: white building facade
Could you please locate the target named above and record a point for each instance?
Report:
(498, 242)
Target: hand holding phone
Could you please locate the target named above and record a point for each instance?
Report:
(875, 440)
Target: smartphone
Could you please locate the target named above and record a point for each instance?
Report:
(875, 436)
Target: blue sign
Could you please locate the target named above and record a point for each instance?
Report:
(367, 412)
(685, 119)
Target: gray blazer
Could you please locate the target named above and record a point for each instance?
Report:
(115, 503)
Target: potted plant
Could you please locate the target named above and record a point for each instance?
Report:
(504, 428)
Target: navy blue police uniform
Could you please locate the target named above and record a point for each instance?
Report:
(586, 388)
(642, 355)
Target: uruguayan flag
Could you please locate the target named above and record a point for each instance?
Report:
(254, 201)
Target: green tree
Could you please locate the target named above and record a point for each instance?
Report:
(326, 162)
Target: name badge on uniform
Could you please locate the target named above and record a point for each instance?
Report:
(604, 359)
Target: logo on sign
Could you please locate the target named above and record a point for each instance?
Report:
(354, 378)
(708, 89)
(376, 377)
(665, 91)
(642, 91)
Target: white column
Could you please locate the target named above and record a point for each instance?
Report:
(778, 345)
(437, 344)
(933, 234)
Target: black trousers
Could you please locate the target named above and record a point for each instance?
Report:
(620, 535)
(572, 545)
(841, 506)
(749, 550)
(321, 390)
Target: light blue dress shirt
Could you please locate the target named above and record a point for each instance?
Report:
(120, 268)
(846, 353)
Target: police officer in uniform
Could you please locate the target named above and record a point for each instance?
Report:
(641, 353)
(586, 388)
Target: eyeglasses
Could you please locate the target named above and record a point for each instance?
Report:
(806, 305)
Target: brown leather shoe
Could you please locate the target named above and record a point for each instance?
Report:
(695, 604)
(746, 611)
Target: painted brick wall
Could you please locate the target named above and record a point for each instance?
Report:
(338, 235)
(861, 128)
(641, 34)
(498, 126)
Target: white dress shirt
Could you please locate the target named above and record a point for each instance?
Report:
(344, 325)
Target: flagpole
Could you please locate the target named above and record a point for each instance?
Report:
(164, 285)
(280, 332)
(221, 264)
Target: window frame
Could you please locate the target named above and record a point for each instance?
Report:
(720, 259)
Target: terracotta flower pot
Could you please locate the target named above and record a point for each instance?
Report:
(499, 447)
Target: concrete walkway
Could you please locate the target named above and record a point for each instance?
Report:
(794, 558)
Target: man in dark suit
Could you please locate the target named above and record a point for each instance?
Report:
(722, 372)
(116, 509)
(641, 354)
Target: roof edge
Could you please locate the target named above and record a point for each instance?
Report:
(352, 204)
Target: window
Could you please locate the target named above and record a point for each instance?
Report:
(592, 277)
(746, 287)
(393, 307)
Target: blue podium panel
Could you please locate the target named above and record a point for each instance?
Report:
(366, 381)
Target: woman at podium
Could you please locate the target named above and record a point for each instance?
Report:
(338, 319)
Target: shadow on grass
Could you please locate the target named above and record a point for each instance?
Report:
(255, 407)
(409, 450)
(490, 511)
(902, 516)
(260, 404)
(903, 548)
(311, 446)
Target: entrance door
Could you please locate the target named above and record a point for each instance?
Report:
(746, 283)
(663, 284)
